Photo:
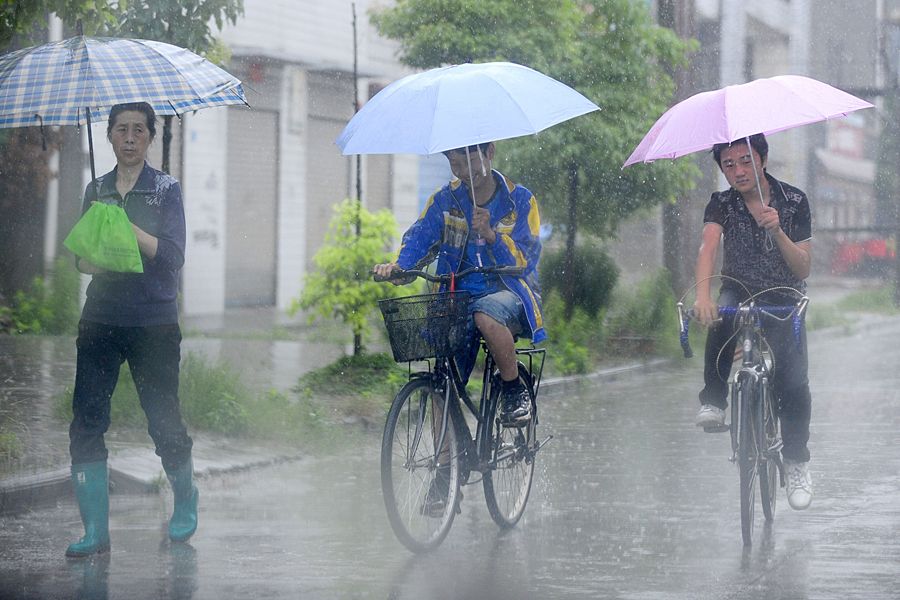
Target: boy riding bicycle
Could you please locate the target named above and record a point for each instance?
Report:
(764, 226)
(500, 228)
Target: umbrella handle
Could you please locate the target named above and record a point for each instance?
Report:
(770, 243)
(479, 241)
(87, 112)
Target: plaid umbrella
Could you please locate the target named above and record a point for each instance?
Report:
(54, 82)
(77, 80)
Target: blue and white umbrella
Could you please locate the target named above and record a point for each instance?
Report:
(77, 80)
(458, 106)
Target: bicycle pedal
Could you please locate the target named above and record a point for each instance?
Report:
(717, 429)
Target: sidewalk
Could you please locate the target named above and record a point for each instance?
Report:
(33, 370)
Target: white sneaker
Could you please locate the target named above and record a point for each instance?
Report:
(799, 484)
(710, 417)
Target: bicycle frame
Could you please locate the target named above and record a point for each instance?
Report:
(755, 368)
(475, 451)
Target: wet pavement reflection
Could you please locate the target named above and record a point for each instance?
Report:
(630, 501)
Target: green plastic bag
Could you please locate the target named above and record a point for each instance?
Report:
(104, 237)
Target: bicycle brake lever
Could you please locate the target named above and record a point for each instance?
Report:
(683, 333)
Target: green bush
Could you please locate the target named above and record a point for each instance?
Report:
(593, 270)
(356, 386)
(10, 446)
(647, 314)
(212, 396)
(572, 344)
(49, 305)
(878, 300)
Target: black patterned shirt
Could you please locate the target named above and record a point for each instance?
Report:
(751, 256)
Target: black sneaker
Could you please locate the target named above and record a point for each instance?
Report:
(515, 410)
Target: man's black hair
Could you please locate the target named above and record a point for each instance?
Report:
(142, 107)
(473, 148)
(757, 142)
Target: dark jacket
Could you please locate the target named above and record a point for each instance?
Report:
(148, 298)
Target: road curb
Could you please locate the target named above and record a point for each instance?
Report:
(137, 473)
(559, 385)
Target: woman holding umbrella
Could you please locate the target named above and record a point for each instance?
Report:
(132, 317)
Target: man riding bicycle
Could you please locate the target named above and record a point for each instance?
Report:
(766, 228)
(500, 228)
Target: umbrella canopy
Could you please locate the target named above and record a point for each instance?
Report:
(55, 83)
(462, 105)
(737, 111)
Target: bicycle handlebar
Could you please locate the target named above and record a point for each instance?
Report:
(410, 274)
(795, 313)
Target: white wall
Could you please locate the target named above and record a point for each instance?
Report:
(318, 33)
(292, 200)
(203, 187)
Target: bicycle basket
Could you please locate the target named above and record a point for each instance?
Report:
(427, 325)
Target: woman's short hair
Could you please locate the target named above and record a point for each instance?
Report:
(757, 142)
(142, 107)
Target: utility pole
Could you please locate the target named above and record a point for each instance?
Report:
(356, 110)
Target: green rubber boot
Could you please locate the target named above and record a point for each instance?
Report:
(91, 482)
(183, 523)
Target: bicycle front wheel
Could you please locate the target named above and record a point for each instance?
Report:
(507, 481)
(747, 457)
(419, 473)
(769, 444)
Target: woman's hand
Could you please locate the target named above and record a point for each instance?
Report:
(147, 244)
(87, 267)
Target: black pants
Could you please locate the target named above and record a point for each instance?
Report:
(153, 355)
(790, 378)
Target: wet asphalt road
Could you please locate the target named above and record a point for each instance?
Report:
(630, 501)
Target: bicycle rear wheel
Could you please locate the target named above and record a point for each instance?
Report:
(507, 481)
(747, 457)
(419, 484)
(769, 444)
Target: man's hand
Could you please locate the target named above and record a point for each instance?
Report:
(481, 223)
(706, 311)
(768, 219)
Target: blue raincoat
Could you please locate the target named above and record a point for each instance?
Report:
(441, 233)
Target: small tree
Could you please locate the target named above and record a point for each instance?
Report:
(609, 50)
(341, 286)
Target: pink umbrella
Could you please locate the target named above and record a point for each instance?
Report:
(737, 111)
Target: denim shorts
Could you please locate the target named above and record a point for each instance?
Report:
(504, 307)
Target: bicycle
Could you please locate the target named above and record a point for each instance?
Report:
(755, 434)
(428, 449)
